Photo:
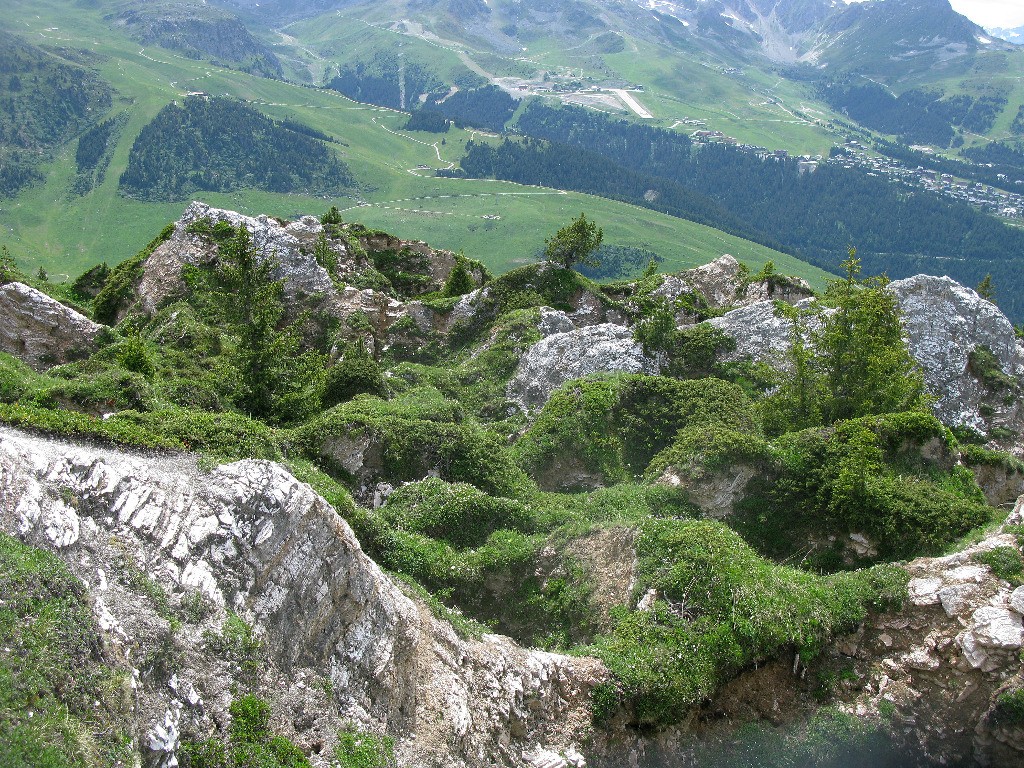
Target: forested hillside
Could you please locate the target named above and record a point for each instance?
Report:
(200, 31)
(218, 144)
(44, 102)
(816, 216)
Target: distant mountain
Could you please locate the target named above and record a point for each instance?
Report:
(873, 36)
(1015, 36)
(877, 37)
(200, 31)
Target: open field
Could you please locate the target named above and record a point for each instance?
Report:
(47, 226)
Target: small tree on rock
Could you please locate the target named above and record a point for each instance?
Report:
(459, 280)
(986, 290)
(574, 244)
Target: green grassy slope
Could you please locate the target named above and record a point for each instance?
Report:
(46, 226)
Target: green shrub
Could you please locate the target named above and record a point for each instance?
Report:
(237, 642)
(97, 386)
(134, 355)
(456, 513)
(209, 753)
(250, 720)
(615, 425)
(119, 287)
(1006, 563)
(417, 433)
(354, 374)
(91, 282)
(701, 449)
(1009, 709)
(977, 455)
(227, 435)
(116, 429)
(359, 749)
(869, 475)
(17, 379)
(723, 608)
(250, 742)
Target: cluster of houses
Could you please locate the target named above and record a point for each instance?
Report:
(806, 163)
(1009, 205)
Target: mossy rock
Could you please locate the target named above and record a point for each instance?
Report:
(607, 428)
(457, 513)
(405, 439)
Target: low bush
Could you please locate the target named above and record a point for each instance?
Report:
(458, 513)
(875, 475)
(1006, 563)
(359, 749)
(356, 373)
(250, 742)
(721, 608)
(414, 434)
(615, 425)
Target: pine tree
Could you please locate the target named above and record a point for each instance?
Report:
(459, 280)
(985, 288)
(574, 243)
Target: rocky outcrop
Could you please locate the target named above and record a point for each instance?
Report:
(714, 493)
(307, 284)
(721, 283)
(41, 331)
(760, 332)
(945, 322)
(561, 357)
(303, 275)
(250, 538)
(942, 661)
(946, 326)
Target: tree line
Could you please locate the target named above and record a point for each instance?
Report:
(815, 216)
(219, 144)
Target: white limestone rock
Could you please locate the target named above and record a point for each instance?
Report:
(562, 357)
(720, 283)
(554, 321)
(257, 541)
(1017, 600)
(944, 322)
(301, 272)
(760, 333)
(41, 331)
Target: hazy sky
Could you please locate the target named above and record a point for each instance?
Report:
(989, 13)
(992, 13)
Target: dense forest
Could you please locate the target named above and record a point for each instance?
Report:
(919, 116)
(378, 81)
(221, 145)
(44, 103)
(427, 120)
(815, 216)
(488, 108)
(634, 145)
(94, 152)
(202, 32)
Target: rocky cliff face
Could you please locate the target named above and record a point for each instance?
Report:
(941, 663)
(972, 361)
(252, 539)
(41, 331)
(946, 325)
